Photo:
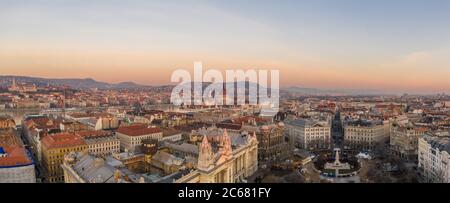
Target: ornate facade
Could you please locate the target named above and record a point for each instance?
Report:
(365, 135)
(229, 160)
(310, 134)
(434, 159)
(404, 141)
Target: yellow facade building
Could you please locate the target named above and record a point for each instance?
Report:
(54, 148)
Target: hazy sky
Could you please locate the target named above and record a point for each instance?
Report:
(390, 45)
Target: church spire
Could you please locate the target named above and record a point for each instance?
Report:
(205, 155)
(226, 151)
(252, 138)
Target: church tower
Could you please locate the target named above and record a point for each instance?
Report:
(252, 138)
(205, 156)
(225, 151)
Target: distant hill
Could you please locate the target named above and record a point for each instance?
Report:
(89, 83)
(86, 83)
(316, 91)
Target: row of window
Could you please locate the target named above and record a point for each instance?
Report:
(66, 150)
(105, 144)
(360, 138)
(327, 133)
(317, 129)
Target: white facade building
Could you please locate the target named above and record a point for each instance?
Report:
(434, 159)
(18, 174)
(16, 165)
(310, 134)
(365, 135)
(131, 136)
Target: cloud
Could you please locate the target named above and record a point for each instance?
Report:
(417, 58)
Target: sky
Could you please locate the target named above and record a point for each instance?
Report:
(388, 45)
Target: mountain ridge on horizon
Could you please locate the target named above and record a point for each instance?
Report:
(89, 83)
(76, 83)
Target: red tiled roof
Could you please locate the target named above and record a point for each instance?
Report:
(92, 133)
(61, 140)
(8, 138)
(247, 119)
(16, 156)
(231, 126)
(90, 115)
(41, 123)
(138, 130)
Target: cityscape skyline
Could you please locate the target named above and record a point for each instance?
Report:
(189, 92)
(399, 46)
(307, 90)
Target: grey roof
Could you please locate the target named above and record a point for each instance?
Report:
(441, 143)
(239, 140)
(305, 123)
(93, 169)
(167, 158)
(185, 147)
(173, 177)
(363, 123)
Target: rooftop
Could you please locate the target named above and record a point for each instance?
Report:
(90, 115)
(138, 130)
(441, 143)
(15, 156)
(184, 147)
(62, 140)
(9, 138)
(167, 159)
(250, 120)
(94, 170)
(93, 133)
(306, 123)
(363, 123)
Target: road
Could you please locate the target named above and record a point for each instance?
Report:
(337, 131)
(37, 165)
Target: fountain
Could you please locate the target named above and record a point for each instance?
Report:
(337, 165)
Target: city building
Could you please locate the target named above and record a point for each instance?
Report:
(270, 135)
(96, 121)
(21, 87)
(35, 128)
(149, 149)
(229, 159)
(100, 143)
(54, 148)
(310, 134)
(9, 137)
(434, 159)
(134, 162)
(171, 135)
(7, 122)
(82, 167)
(16, 165)
(271, 139)
(404, 141)
(72, 126)
(131, 136)
(365, 135)
(167, 162)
